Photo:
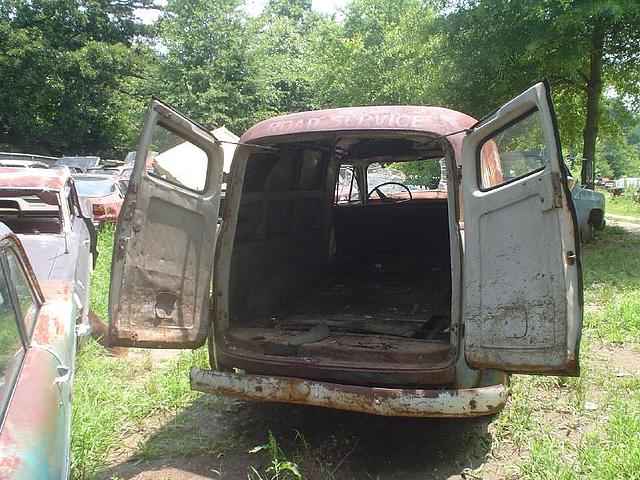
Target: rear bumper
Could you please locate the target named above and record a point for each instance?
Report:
(393, 402)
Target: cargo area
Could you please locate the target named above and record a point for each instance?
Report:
(336, 282)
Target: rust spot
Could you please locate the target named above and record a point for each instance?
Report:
(472, 404)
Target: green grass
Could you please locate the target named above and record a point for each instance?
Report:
(623, 205)
(100, 279)
(114, 397)
(552, 428)
(611, 272)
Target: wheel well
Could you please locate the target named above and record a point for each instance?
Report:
(596, 218)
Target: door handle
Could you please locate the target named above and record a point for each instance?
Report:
(64, 374)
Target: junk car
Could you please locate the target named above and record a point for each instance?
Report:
(383, 297)
(104, 192)
(37, 356)
(43, 208)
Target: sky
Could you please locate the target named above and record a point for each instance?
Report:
(254, 7)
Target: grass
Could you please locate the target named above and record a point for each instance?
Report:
(623, 205)
(280, 467)
(114, 398)
(611, 272)
(99, 292)
(552, 427)
(586, 427)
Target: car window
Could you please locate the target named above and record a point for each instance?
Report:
(95, 188)
(178, 162)
(27, 303)
(11, 345)
(521, 150)
(347, 190)
(31, 212)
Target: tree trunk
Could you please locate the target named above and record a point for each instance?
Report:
(594, 90)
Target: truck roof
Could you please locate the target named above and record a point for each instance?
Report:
(435, 120)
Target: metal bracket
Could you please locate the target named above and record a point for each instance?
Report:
(556, 180)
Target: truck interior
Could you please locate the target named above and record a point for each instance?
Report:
(341, 253)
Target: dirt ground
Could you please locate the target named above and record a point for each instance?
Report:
(340, 444)
(350, 446)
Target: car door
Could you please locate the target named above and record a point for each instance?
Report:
(36, 403)
(163, 252)
(81, 238)
(522, 278)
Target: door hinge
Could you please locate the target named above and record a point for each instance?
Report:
(459, 172)
(556, 180)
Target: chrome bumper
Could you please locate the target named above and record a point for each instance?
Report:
(393, 402)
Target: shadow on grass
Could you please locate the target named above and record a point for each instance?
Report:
(212, 439)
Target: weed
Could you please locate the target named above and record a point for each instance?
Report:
(280, 468)
(611, 269)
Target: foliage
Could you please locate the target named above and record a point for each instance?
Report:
(378, 55)
(70, 72)
(77, 74)
(204, 62)
(493, 49)
(426, 173)
(280, 467)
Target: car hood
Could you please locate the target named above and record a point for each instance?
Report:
(53, 257)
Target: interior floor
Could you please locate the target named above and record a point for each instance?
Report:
(396, 311)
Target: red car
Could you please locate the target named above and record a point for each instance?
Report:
(105, 193)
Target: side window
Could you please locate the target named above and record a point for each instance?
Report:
(347, 190)
(515, 152)
(11, 346)
(27, 302)
(178, 161)
(70, 202)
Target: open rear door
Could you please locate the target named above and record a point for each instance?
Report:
(163, 251)
(523, 283)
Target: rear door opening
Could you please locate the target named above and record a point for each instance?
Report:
(335, 266)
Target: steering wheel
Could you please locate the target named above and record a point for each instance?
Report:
(386, 199)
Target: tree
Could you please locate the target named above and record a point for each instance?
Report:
(495, 48)
(204, 64)
(282, 57)
(380, 54)
(70, 73)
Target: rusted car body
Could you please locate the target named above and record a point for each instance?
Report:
(105, 194)
(43, 208)
(37, 355)
(405, 299)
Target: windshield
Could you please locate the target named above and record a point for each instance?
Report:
(95, 188)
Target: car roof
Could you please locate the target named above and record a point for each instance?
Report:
(92, 176)
(434, 120)
(36, 178)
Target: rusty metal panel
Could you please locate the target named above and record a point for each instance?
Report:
(522, 290)
(49, 179)
(374, 400)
